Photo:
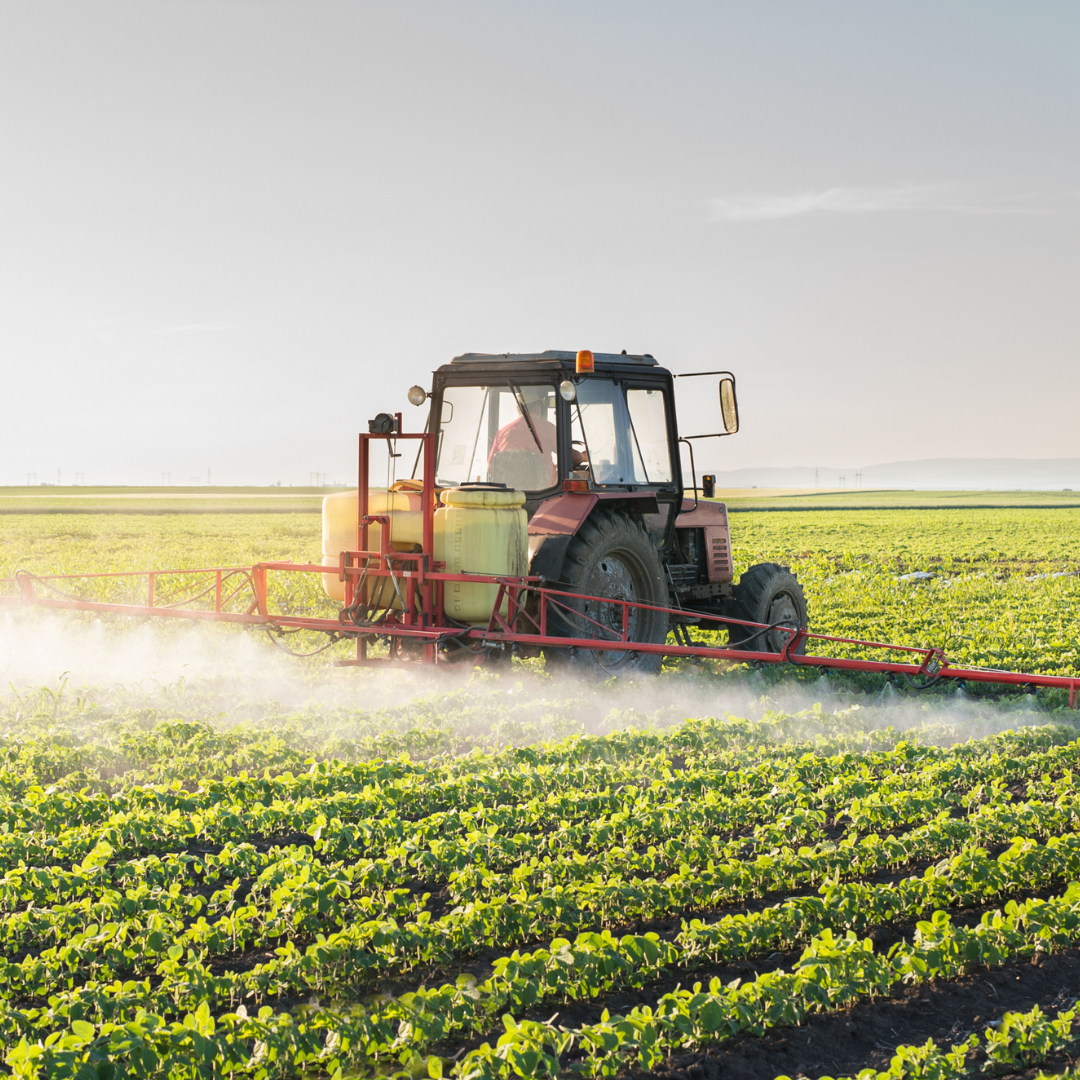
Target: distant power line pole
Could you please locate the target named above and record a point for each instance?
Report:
(815, 477)
(31, 478)
(79, 478)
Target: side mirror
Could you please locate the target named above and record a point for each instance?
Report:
(729, 406)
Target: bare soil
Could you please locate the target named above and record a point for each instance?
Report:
(842, 1043)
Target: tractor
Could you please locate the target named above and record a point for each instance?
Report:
(546, 513)
(591, 441)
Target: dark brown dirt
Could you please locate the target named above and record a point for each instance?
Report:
(840, 1044)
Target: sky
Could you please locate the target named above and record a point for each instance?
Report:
(232, 231)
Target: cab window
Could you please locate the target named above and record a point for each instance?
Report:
(621, 434)
(648, 418)
(502, 433)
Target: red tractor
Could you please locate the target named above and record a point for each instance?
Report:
(592, 440)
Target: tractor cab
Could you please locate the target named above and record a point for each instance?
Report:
(536, 423)
(563, 469)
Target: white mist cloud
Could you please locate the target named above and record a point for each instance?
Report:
(948, 198)
(244, 676)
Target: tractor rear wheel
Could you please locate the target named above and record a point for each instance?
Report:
(612, 556)
(768, 593)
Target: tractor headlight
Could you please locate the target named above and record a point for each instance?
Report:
(417, 395)
(567, 390)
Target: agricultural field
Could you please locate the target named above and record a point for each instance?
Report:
(50, 499)
(266, 870)
(992, 587)
(719, 897)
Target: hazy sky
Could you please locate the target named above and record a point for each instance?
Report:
(232, 231)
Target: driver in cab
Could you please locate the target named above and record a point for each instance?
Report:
(529, 432)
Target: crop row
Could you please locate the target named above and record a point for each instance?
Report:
(404, 794)
(341, 964)
(832, 972)
(505, 836)
(681, 832)
(292, 896)
(686, 833)
(302, 897)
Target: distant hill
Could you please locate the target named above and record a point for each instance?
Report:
(929, 474)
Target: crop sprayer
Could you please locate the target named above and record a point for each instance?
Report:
(545, 513)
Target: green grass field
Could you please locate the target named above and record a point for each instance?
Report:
(848, 499)
(1004, 591)
(50, 499)
(301, 871)
(101, 542)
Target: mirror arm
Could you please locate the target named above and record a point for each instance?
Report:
(724, 374)
(697, 374)
(693, 470)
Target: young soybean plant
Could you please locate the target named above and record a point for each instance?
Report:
(1018, 1040)
(926, 1062)
(1028, 1038)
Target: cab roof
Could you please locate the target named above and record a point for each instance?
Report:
(645, 359)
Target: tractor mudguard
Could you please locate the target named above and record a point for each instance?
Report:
(551, 528)
(712, 519)
(557, 521)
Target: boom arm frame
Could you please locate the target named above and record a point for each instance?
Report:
(522, 614)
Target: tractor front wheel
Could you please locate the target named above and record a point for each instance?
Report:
(611, 557)
(771, 594)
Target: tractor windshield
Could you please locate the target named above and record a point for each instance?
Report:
(621, 435)
(499, 433)
(506, 433)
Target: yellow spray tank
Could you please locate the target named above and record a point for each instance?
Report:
(478, 530)
(339, 515)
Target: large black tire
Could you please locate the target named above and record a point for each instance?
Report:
(768, 593)
(612, 556)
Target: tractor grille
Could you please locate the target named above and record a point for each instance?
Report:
(718, 554)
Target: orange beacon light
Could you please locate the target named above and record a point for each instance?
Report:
(584, 362)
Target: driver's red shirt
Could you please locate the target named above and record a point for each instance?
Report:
(517, 436)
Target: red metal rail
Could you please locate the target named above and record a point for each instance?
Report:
(522, 615)
(526, 612)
